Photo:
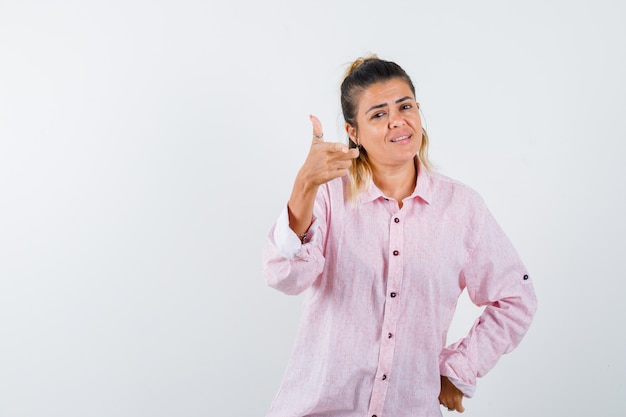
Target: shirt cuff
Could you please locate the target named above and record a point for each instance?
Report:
(455, 367)
(467, 389)
(286, 240)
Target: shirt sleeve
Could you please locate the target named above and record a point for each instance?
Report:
(289, 265)
(496, 279)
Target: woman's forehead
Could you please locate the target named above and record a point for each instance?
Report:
(385, 92)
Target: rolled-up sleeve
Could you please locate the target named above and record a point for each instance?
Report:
(496, 279)
(289, 265)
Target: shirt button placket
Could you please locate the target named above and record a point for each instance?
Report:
(391, 315)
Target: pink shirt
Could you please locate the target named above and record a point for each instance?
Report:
(381, 287)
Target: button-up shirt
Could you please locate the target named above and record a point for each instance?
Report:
(381, 285)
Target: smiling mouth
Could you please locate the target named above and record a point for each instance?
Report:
(401, 138)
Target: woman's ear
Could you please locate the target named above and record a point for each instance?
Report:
(352, 133)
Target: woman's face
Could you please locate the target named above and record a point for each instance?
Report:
(389, 124)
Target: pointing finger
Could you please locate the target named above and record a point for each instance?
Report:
(339, 147)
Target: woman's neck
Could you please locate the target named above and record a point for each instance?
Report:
(396, 182)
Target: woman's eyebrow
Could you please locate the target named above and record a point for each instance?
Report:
(380, 106)
(376, 106)
(400, 100)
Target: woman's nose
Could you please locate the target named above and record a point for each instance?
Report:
(395, 120)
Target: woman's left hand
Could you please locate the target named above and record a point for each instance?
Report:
(450, 396)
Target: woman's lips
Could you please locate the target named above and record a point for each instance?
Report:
(401, 138)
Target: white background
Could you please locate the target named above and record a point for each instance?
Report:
(146, 147)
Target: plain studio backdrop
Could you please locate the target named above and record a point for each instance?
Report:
(146, 147)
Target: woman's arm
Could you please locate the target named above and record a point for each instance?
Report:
(496, 279)
(292, 265)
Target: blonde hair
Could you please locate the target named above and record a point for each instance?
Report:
(361, 74)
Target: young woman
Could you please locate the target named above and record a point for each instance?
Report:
(383, 248)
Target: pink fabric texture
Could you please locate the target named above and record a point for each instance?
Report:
(381, 286)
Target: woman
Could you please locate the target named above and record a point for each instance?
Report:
(383, 248)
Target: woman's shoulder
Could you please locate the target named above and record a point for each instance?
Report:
(451, 188)
(334, 190)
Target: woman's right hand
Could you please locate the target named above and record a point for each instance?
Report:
(325, 161)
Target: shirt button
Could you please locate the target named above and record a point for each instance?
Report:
(396, 253)
(525, 277)
(389, 336)
(384, 377)
(393, 295)
(397, 220)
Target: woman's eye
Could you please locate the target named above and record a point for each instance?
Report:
(407, 107)
(378, 115)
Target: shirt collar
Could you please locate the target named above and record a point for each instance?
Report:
(423, 188)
